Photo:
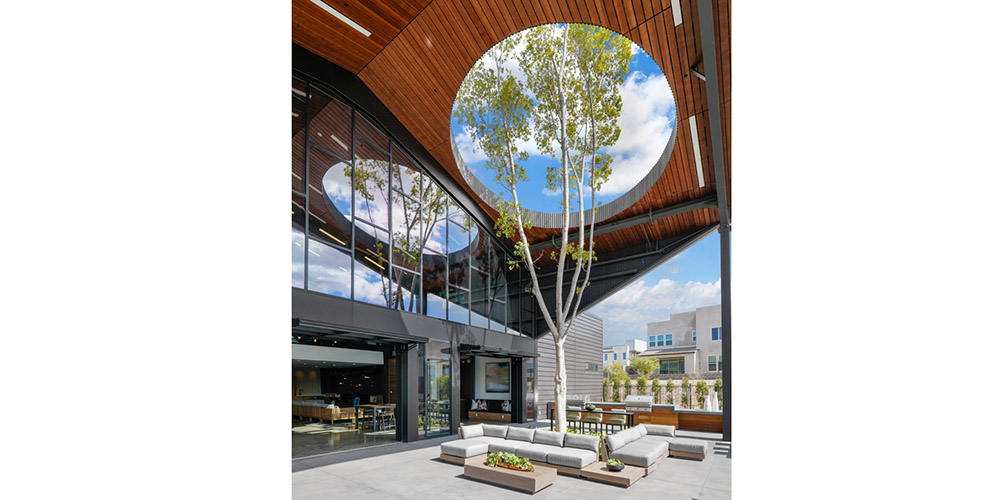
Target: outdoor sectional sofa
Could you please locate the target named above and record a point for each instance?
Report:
(566, 452)
(646, 445)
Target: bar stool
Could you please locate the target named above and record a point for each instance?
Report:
(594, 419)
(573, 416)
(617, 420)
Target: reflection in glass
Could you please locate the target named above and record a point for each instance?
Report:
(498, 288)
(406, 218)
(298, 134)
(329, 269)
(329, 123)
(435, 285)
(365, 130)
(329, 198)
(298, 241)
(480, 242)
(437, 415)
(480, 299)
(458, 253)
(435, 227)
(458, 305)
(406, 290)
(371, 268)
(371, 178)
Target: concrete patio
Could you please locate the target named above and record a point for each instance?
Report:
(419, 473)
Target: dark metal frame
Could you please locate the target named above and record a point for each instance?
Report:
(707, 29)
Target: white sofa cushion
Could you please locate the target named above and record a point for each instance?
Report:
(472, 431)
(548, 437)
(631, 435)
(506, 446)
(520, 434)
(499, 431)
(536, 451)
(641, 454)
(464, 448)
(582, 442)
(616, 441)
(660, 430)
(571, 457)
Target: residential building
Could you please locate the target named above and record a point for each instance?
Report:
(623, 354)
(687, 342)
(582, 352)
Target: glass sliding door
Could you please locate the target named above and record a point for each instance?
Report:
(437, 390)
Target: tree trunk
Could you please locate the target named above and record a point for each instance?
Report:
(560, 385)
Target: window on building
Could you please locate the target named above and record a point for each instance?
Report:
(715, 363)
(592, 367)
(605, 356)
(652, 341)
(659, 341)
(670, 339)
(716, 333)
(672, 365)
(616, 356)
(694, 336)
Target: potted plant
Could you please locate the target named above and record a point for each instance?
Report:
(509, 461)
(615, 465)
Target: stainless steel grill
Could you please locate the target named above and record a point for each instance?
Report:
(641, 404)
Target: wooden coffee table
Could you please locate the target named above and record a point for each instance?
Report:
(531, 482)
(598, 471)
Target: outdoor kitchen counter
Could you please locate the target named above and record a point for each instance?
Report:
(668, 414)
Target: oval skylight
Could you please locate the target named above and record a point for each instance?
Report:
(647, 121)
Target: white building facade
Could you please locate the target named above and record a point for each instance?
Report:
(688, 342)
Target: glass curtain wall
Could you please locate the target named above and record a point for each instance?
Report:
(369, 225)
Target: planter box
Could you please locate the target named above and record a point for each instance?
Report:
(531, 482)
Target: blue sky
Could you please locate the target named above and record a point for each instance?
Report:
(688, 281)
(648, 116)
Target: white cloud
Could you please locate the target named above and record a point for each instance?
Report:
(469, 150)
(647, 105)
(627, 312)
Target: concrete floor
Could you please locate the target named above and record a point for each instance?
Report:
(419, 473)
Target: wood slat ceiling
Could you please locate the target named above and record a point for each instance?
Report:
(420, 51)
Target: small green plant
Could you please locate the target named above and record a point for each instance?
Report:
(495, 459)
(656, 390)
(718, 391)
(617, 391)
(701, 390)
(604, 390)
(670, 391)
(640, 385)
(685, 393)
(615, 462)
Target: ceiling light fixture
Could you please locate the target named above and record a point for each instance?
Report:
(332, 236)
(696, 145)
(295, 115)
(675, 9)
(333, 12)
(314, 188)
(380, 266)
(313, 252)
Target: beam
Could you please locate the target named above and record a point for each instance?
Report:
(707, 28)
(680, 208)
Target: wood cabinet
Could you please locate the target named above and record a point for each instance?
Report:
(489, 416)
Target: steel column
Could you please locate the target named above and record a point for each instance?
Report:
(707, 29)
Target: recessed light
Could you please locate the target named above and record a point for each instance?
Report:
(295, 115)
(335, 13)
